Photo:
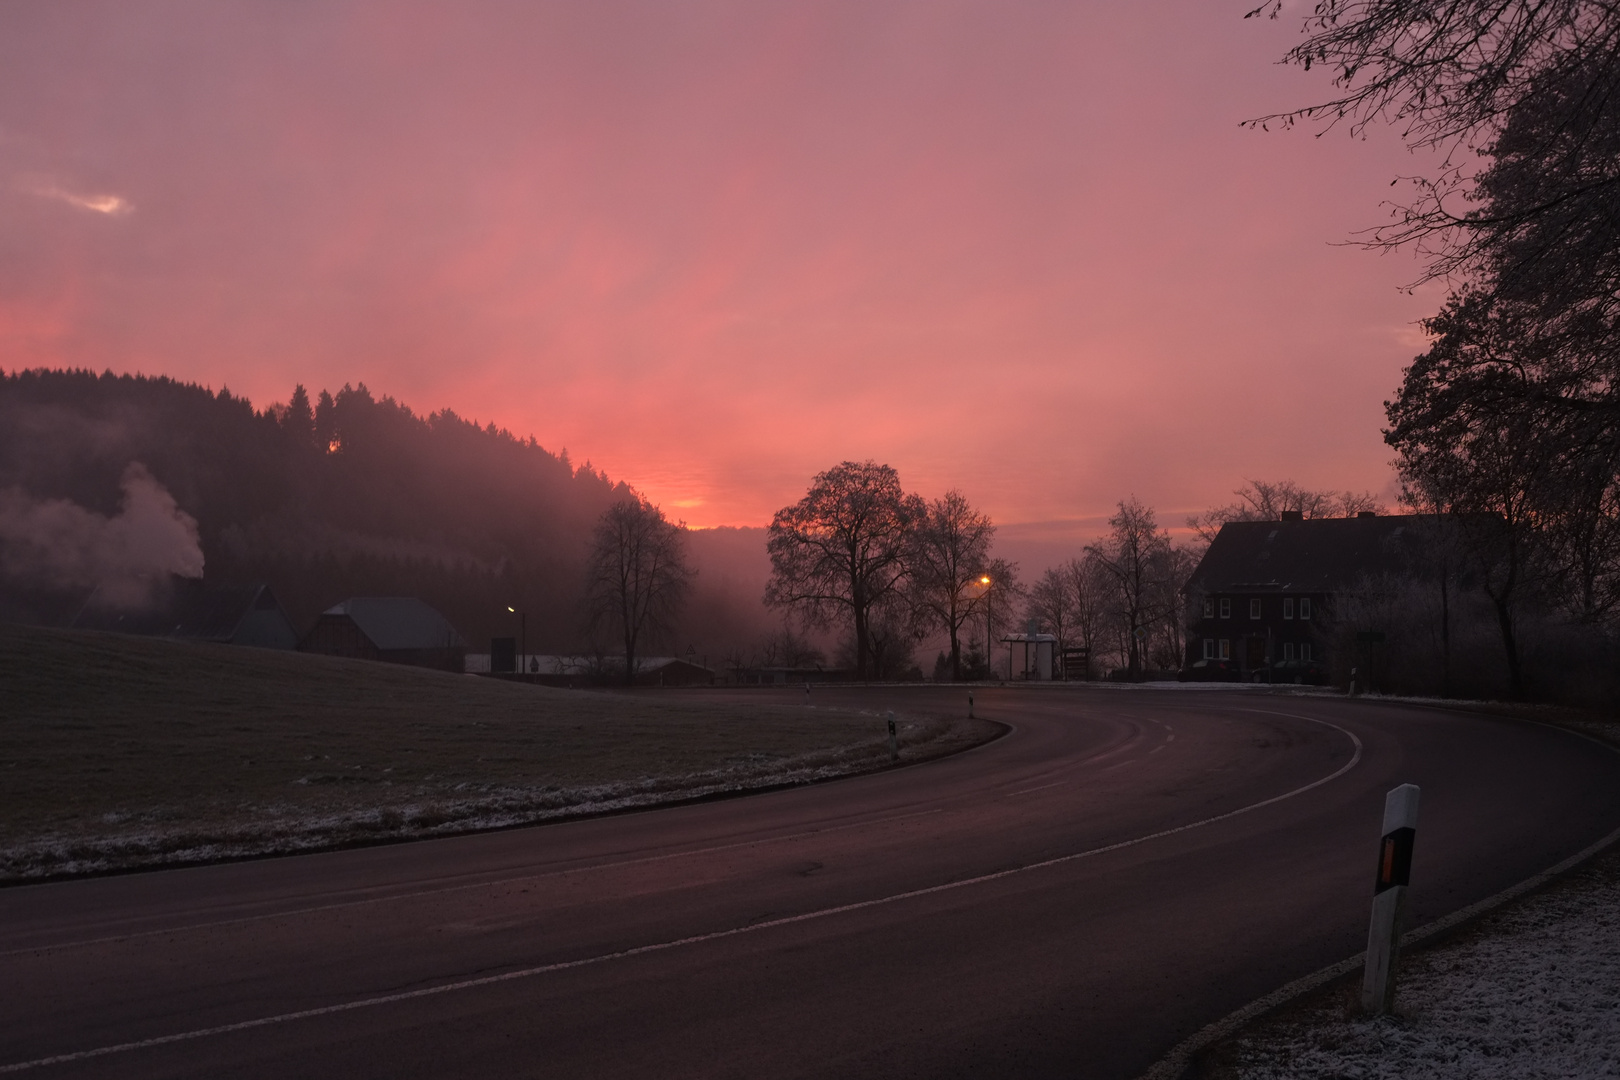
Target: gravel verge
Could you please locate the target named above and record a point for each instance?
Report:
(1531, 990)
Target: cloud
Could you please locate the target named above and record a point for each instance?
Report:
(58, 543)
(111, 205)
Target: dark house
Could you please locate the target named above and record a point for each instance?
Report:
(396, 629)
(191, 611)
(1264, 590)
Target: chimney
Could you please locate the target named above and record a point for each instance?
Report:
(1293, 515)
(1366, 513)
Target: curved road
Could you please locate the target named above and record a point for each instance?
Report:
(1070, 900)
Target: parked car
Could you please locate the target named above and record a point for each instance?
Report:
(1211, 671)
(1305, 672)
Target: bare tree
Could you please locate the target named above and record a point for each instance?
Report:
(637, 574)
(1529, 83)
(1260, 500)
(952, 552)
(1091, 585)
(1133, 554)
(1168, 637)
(844, 549)
(1522, 216)
(1052, 605)
(785, 648)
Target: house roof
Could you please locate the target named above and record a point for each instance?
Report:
(399, 622)
(188, 609)
(1320, 555)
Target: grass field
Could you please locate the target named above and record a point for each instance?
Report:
(118, 752)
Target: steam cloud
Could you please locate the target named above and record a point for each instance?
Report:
(58, 543)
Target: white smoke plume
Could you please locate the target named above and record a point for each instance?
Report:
(59, 544)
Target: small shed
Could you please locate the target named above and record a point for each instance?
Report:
(1030, 655)
(394, 629)
(670, 671)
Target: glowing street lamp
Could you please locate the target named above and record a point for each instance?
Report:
(523, 638)
(984, 579)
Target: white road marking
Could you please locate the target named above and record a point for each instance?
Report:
(290, 913)
(696, 939)
(1027, 790)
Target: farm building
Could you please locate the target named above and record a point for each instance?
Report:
(192, 611)
(394, 629)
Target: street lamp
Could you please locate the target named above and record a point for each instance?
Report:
(523, 639)
(984, 579)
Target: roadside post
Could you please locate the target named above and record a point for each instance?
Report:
(894, 741)
(970, 705)
(1389, 899)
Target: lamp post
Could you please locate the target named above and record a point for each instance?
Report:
(523, 639)
(984, 579)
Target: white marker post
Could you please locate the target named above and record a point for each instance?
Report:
(1389, 899)
(894, 742)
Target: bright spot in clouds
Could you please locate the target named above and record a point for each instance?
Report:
(101, 204)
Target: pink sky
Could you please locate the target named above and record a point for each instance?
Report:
(1021, 249)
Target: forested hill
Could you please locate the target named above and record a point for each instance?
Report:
(353, 495)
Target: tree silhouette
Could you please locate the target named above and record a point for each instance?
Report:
(844, 550)
(638, 576)
(1134, 555)
(952, 551)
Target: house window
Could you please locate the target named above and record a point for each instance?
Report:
(1226, 649)
(1226, 607)
(1288, 650)
(1209, 648)
(1288, 607)
(1209, 608)
(1254, 609)
(1304, 607)
(1305, 652)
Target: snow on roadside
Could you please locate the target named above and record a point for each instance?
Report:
(258, 830)
(1532, 991)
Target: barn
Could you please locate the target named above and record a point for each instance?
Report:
(393, 629)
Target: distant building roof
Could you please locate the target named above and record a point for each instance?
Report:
(1321, 555)
(399, 622)
(233, 614)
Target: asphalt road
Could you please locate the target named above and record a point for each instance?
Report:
(1070, 900)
